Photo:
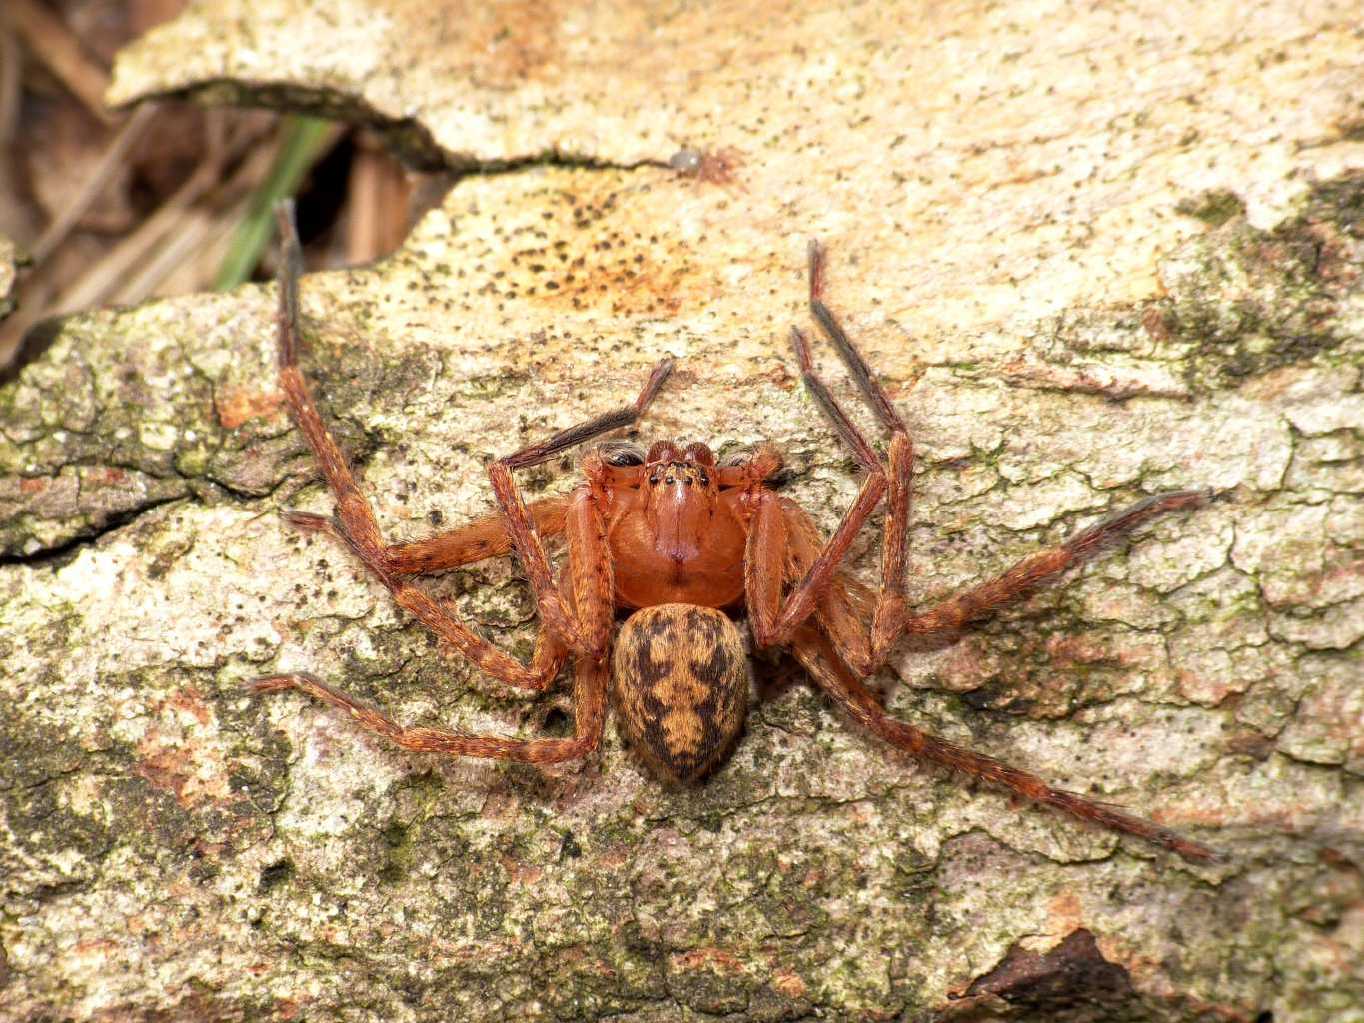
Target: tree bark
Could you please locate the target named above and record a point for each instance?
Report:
(1094, 254)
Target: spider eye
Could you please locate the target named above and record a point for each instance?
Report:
(622, 455)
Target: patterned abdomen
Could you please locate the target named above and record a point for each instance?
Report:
(680, 685)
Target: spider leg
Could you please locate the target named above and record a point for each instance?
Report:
(1038, 569)
(821, 660)
(485, 537)
(891, 618)
(773, 620)
(589, 713)
(845, 607)
(592, 568)
(770, 529)
(354, 521)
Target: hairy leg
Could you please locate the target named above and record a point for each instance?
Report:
(589, 703)
(819, 658)
(354, 520)
(580, 637)
(485, 537)
(891, 617)
(1043, 567)
(780, 538)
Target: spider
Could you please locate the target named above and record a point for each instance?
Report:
(678, 544)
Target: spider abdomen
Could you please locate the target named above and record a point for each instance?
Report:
(680, 683)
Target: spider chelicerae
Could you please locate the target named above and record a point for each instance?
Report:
(678, 544)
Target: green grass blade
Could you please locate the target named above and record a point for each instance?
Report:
(300, 148)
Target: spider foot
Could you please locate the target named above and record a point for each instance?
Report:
(1115, 817)
(279, 683)
(366, 714)
(375, 555)
(309, 521)
(1107, 531)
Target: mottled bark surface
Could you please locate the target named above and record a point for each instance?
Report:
(1094, 254)
(9, 260)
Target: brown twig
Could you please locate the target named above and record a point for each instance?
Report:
(111, 161)
(50, 40)
(378, 202)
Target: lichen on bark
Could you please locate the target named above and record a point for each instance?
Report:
(1044, 263)
(10, 258)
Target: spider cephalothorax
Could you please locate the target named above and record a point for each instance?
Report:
(679, 543)
(679, 520)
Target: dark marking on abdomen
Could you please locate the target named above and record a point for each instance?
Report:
(680, 681)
